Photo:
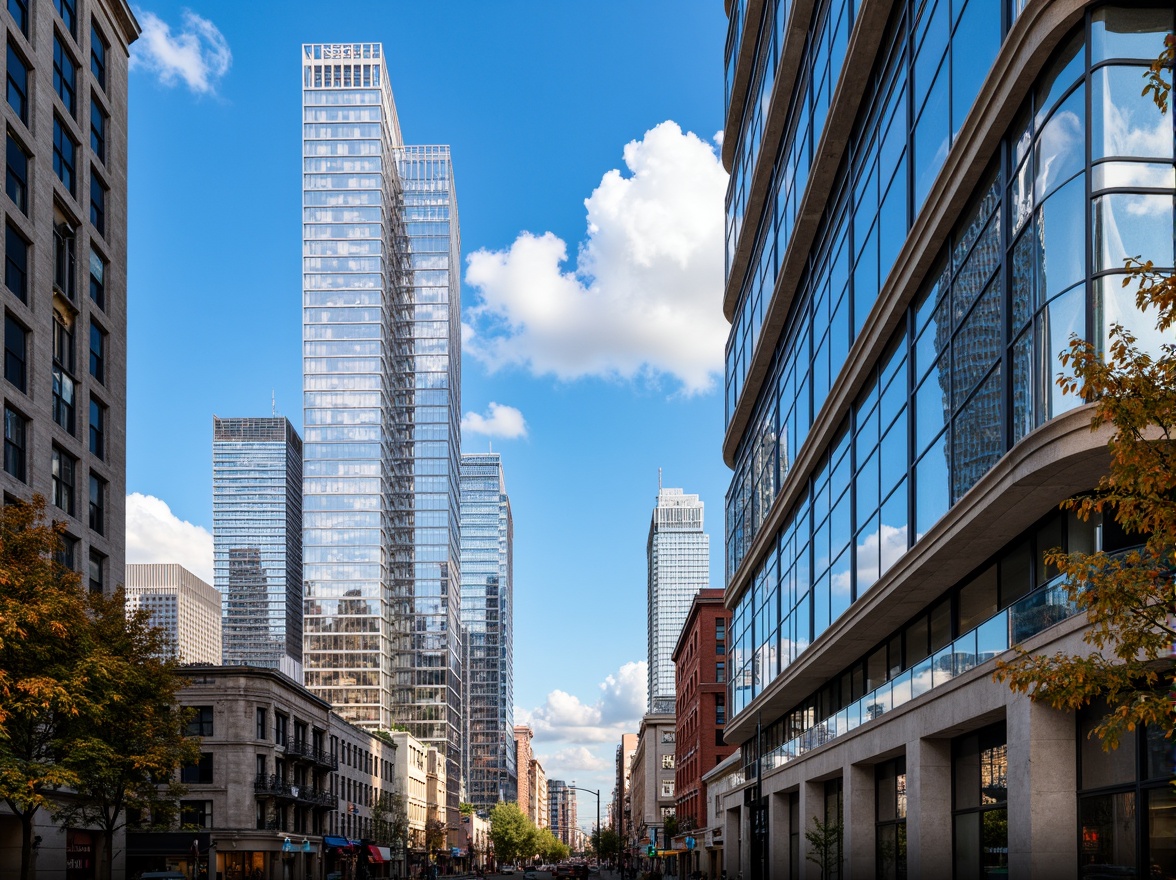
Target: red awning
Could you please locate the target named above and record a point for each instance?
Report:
(374, 853)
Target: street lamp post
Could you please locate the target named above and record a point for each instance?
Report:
(597, 793)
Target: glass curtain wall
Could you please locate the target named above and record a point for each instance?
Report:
(257, 541)
(354, 283)
(427, 661)
(487, 612)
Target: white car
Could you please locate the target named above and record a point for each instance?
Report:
(506, 869)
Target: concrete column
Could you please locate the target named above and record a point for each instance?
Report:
(779, 828)
(1043, 786)
(858, 820)
(812, 803)
(929, 834)
(733, 842)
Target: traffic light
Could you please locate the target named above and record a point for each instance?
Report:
(652, 852)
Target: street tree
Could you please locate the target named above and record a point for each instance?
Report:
(131, 732)
(512, 833)
(390, 819)
(43, 682)
(1129, 599)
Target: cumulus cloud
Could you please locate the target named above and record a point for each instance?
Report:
(644, 297)
(197, 54)
(155, 534)
(499, 421)
(576, 758)
(617, 709)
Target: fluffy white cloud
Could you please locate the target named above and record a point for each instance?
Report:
(499, 421)
(576, 758)
(198, 53)
(644, 299)
(155, 534)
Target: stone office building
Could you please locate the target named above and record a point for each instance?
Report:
(926, 199)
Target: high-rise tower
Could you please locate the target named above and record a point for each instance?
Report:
(257, 540)
(381, 356)
(487, 601)
(678, 553)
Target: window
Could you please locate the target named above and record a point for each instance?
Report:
(262, 726)
(199, 773)
(97, 428)
(281, 728)
(667, 788)
(65, 152)
(98, 50)
(667, 762)
(19, 10)
(16, 175)
(720, 709)
(64, 389)
(980, 803)
(18, 85)
(97, 352)
(97, 572)
(97, 279)
(64, 466)
(67, 552)
(15, 427)
(16, 263)
(15, 352)
(201, 722)
(720, 672)
(68, 10)
(98, 204)
(97, 503)
(98, 124)
(261, 764)
(64, 247)
(890, 819)
(197, 813)
(65, 76)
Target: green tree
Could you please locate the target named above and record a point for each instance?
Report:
(824, 846)
(606, 843)
(42, 678)
(1129, 600)
(512, 833)
(390, 819)
(131, 733)
(466, 808)
(435, 831)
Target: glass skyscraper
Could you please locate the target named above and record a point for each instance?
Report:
(382, 354)
(487, 615)
(678, 553)
(257, 541)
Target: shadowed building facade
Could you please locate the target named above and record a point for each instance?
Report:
(926, 200)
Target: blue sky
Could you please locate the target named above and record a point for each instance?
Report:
(591, 217)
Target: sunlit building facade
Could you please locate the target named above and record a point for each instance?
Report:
(487, 611)
(257, 540)
(926, 200)
(381, 355)
(182, 605)
(678, 566)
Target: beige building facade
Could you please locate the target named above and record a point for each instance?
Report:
(523, 734)
(651, 781)
(180, 603)
(539, 811)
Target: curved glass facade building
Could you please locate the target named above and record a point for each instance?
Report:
(926, 200)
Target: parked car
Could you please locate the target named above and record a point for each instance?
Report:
(506, 869)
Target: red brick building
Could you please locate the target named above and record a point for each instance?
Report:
(700, 676)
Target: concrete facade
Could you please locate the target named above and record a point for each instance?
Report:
(652, 795)
(187, 608)
(622, 817)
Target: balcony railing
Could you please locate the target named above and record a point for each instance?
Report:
(276, 787)
(301, 749)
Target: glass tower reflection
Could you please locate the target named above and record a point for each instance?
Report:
(257, 541)
(487, 602)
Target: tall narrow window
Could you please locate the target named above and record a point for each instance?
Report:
(16, 263)
(97, 352)
(18, 85)
(97, 504)
(19, 10)
(97, 572)
(16, 175)
(64, 466)
(64, 404)
(890, 819)
(67, 552)
(98, 51)
(64, 249)
(14, 443)
(97, 204)
(980, 803)
(68, 10)
(98, 126)
(65, 153)
(97, 428)
(97, 279)
(15, 353)
(65, 76)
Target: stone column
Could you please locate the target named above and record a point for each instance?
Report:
(929, 834)
(1043, 786)
(812, 803)
(858, 821)
(779, 829)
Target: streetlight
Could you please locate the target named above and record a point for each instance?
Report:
(597, 793)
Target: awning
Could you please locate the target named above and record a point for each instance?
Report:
(385, 853)
(336, 842)
(374, 854)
